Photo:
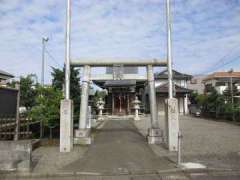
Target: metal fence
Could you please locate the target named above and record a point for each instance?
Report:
(27, 128)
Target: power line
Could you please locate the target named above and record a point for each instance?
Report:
(222, 61)
(52, 58)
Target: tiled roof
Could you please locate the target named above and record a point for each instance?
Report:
(176, 75)
(235, 74)
(164, 89)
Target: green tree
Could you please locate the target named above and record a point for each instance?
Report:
(75, 88)
(193, 97)
(47, 107)
(27, 90)
(228, 93)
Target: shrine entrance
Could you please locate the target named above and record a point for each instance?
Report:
(120, 103)
(82, 135)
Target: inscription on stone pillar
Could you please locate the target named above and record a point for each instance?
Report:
(172, 123)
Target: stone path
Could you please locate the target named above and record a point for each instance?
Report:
(119, 148)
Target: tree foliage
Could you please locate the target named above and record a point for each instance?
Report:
(47, 107)
(27, 90)
(217, 104)
(75, 88)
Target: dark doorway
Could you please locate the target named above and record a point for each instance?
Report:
(121, 103)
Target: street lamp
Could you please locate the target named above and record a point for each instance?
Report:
(44, 40)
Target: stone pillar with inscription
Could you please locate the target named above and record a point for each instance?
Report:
(66, 125)
(172, 123)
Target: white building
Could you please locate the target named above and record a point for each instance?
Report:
(222, 80)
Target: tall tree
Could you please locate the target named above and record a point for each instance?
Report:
(28, 91)
(47, 105)
(75, 88)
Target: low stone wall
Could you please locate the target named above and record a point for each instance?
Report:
(15, 155)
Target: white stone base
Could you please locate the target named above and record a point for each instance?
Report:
(66, 126)
(191, 165)
(83, 140)
(155, 132)
(154, 140)
(82, 133)
(137, 118)
(155, 136)
(100, 118)
(82, 136)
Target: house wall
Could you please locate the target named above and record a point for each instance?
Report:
(196, 84)
(181, 83)
(182, 101)
(161, 105)
(220, 89)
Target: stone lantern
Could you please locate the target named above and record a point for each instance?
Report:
(136, 104)
(100, 107)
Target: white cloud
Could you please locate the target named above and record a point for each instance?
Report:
(203, 31)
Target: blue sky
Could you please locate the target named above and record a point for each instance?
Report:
(204, 32)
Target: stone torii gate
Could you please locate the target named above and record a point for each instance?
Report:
(82, 134)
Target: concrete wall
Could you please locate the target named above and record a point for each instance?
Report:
(15, 155)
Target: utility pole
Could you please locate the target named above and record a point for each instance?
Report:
(169, 50)
(67, 51)
(44, 40)
(66, 107)
(172, 116)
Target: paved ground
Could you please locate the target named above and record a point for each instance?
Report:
(48, 159)
(119, 148)
(215, 144)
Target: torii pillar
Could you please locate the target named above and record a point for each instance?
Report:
(82, 134)
(154, 132)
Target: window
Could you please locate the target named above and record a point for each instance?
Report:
(220, 84)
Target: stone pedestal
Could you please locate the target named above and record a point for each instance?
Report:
(155, 136)
(66, 126)
(136, 117)
(172, 124)
(82, 136)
